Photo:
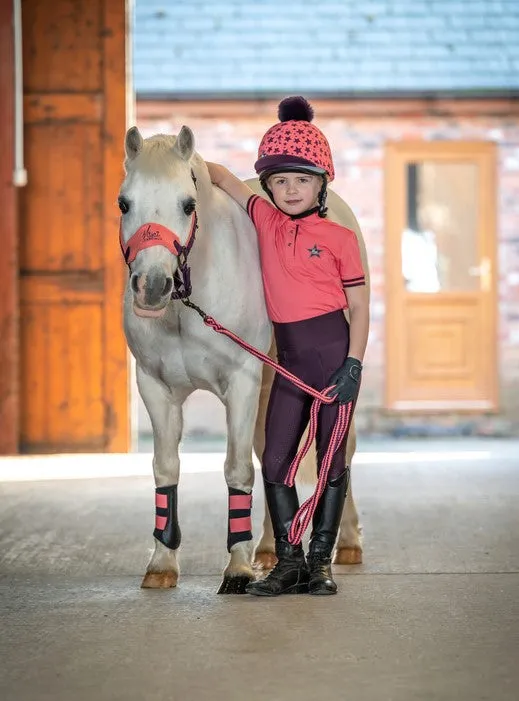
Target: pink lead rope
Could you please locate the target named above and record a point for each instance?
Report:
(306, 510)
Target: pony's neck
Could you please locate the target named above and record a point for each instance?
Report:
(220, 219)
(206, 203)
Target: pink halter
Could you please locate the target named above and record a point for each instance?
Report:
(151, 234)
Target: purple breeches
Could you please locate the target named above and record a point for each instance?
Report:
(312, 349)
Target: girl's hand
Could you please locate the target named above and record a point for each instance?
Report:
(233, 186)
(347, 381)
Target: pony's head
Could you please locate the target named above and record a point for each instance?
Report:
(158, 217)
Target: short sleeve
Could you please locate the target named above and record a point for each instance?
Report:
(350, 263)
(262, 213)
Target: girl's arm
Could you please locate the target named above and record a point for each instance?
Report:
(358, 303)
(228, 182)
(347, 378)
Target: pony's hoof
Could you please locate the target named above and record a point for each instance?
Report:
(348, 556)
(265, 560)
(160, 580)
(234, 585)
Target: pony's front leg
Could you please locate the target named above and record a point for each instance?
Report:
(241, 401)
(165, 410)
(265, 553)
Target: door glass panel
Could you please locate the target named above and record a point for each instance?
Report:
(440, 241)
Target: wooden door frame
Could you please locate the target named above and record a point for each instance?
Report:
(396, 155)
(116, 108)
(9, 302)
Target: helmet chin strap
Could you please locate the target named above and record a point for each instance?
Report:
(321, 208)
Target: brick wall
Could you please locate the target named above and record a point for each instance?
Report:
(357, 142)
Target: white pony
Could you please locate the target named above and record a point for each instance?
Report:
(166, 197)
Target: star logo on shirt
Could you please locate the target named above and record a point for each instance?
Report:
(315, 251)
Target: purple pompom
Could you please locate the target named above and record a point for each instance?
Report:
(295, 108)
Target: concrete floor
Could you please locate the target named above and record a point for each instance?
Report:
(433, 614)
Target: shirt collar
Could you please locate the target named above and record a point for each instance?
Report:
(311, 216)
(305, 215)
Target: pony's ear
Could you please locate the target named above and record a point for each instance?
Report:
(133, 142)
(185, 143)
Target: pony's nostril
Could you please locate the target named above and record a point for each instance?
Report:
(134, 282)
(168, 286)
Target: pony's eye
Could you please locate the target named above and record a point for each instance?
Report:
(124, 205)
(189, 206)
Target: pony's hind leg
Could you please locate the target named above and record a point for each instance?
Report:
(165, 410)
(241, 401)
(265, 552)
(348, 549)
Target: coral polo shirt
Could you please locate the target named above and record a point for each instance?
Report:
(306, 263)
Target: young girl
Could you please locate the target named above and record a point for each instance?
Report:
(312, 271)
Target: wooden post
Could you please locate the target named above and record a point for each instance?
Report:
(116, 89)
(9, 326)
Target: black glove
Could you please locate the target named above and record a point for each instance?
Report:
(347, 381)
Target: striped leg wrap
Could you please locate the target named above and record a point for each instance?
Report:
(166, 519)
(240, 525)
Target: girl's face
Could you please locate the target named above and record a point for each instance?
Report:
(295, 193)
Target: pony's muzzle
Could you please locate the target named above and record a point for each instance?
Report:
(151, 292)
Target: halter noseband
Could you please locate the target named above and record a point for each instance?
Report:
(151, 234)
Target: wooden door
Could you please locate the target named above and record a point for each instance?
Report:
(74, 363)
(441, 281)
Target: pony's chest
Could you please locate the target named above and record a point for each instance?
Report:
(151, 341)
(174, 353)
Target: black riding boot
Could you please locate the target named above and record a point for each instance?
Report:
(290, 574)
(326, 522)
